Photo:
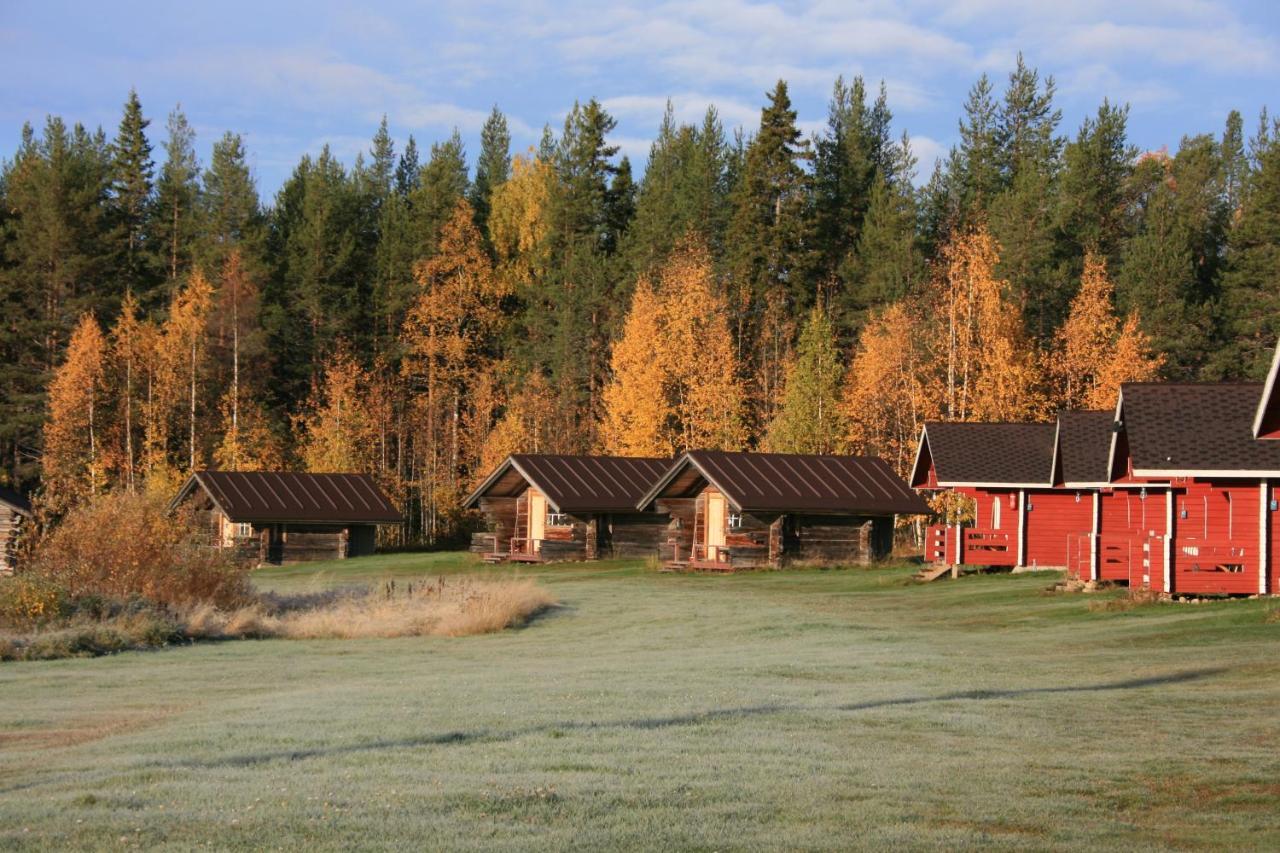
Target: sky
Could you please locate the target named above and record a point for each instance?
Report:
(292, 76)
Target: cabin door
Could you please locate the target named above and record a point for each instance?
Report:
(537, 520)
(715, 525)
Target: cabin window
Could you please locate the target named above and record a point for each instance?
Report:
(557, 519)
(243, 530)
(735, 520)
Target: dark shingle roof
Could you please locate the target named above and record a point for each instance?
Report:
(277, 496)
(1084, 446)
(1181, 426)
(575, 483)
(792, 482)
(996, 453)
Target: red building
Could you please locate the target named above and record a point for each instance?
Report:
(1005, 469)
(1220, 499)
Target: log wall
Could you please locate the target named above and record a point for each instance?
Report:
(634, 535)
(9, 521)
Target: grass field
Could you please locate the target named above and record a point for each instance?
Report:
(805, 709)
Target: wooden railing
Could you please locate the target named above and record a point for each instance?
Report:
(979, 546)
(710, 553)
(524, 545)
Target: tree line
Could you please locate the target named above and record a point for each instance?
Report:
(417, 316)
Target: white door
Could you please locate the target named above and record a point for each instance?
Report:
(537, 519)
(715, 524)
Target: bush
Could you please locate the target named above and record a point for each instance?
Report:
(122, 546)
(29, 601)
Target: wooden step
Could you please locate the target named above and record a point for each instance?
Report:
(932, 573)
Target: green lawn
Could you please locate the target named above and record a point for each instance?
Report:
(803, 709)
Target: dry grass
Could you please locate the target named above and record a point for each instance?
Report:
(1134, 599)
(453, 607)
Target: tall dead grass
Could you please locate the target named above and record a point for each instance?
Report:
(445, 607)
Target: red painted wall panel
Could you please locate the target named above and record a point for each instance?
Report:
(1131, 526)
(1057, 527)
(1216, 543)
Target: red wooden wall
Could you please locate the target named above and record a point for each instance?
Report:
(1057, 527)
(1216, 544)
(1130, 529)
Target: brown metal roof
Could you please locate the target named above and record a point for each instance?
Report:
(1084, 446)
(277, 496)
(574, 483)
(791, 482)
(1203, 426)
(991, 453)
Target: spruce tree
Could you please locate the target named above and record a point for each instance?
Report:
(442, 182)
(132, 200)
(176, 222)
(810, 420)
(1251, 283)
(408, 171)
(232, 213)
(492, 167)
(1096, 168)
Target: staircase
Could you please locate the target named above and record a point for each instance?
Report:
(932, 572)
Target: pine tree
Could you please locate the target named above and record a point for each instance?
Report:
(1096, 169)
(1249, 284)
(887, 264)
(1158, 274)
(770, 255)
(74, 468)
(493, 166)
(177, 199)
(408, 171)
(976, 162)
(810, 420)
(442, 182)
(1235, 162)
(638, 414)
(231, 210)
(132, 199)
(685, 189)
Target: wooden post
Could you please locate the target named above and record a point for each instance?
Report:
(1094, 544)
(1022, 527)
(1264, 534)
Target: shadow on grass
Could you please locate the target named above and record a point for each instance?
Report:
(693, 718)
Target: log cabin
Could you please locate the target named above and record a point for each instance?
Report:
(13, 509)
(275, 517)
(730, 511)
(541, 508)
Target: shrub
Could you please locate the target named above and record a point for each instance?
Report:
(122, 545)
(28, 601)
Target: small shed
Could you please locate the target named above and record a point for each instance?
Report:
(729, 511)
(542, 507)
(284, 517)
(13, 509)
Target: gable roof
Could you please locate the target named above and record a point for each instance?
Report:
(1266, 420)
(1175, 428)
(790, 482)
(574, 483)
(1083, 447)
(279, 496)
(15, 501)
(988, 454)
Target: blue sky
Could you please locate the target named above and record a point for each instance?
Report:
(293, 76)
